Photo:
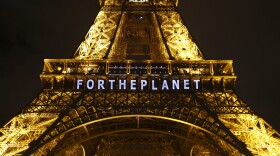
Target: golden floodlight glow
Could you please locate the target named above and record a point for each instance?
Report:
(134, 42)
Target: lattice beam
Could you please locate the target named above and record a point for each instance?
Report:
(153, 143)
(178, 38)
(21, 130)
(89, 132)
(259, 136)
(101, 105)
(50, 101)
(213, 115)
(36, 117)
(224, 102)
(98, 39)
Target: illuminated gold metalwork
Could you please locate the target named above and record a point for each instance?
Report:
(28, 126)
(98, 39)
(178, 38)
(259, 136)
(145, 29)
(21, 130)
(136, 30)
(155, 124)
(77, 150)
(110, 2)
(127, 144)
(48, 146)
(138, 40)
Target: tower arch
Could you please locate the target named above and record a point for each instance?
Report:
(136, 43)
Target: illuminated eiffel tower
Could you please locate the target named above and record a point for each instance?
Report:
(138, 85)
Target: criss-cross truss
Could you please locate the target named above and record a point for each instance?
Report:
(28, 126)
(178, 38)
(98, 39)
(261, 139)
(22, 129)
(133, 40)
(100, 105)
(103, 33)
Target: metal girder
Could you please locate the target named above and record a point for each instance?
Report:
(101, 105)
(16, 135)
(50, 145)
(248, 128)
(98, 39)
(137, 29)
(148, 2)
(224, 102)
(178, 38)
(111, 2)
(60, 68)
(61, 117)
(137, 8)
(51, 101)
(35, 118)
(127, 144)
(76, 150)
(259, 136)
(142, 124)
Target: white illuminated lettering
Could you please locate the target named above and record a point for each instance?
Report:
(175, 84)
(138, 84)
(122, 84)
(90, 84)
(79, 83)
(111, 83)
(164, 85)
(143, 84)
(196, 83)
(100, 84)
(186, 84)
(153, 85)
(133, 84)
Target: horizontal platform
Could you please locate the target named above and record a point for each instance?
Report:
(88, 67)
(137, 8)
(194, 75)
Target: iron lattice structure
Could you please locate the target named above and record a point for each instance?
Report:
(138, 40)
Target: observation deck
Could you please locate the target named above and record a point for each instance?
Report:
(63, 73)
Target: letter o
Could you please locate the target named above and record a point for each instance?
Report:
(90, 84)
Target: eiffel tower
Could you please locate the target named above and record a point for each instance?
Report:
(138, 85)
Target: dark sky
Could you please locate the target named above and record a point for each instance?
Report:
(245, 31)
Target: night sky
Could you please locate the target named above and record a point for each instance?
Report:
(245, 31)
